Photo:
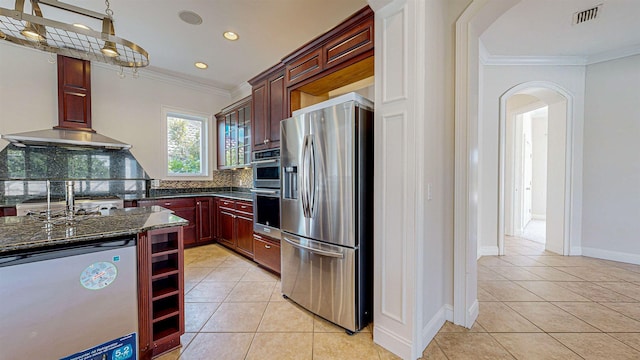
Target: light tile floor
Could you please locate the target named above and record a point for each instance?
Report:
(234, 310)
(538, 305)
(533, 305)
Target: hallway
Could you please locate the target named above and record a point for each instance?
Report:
(538, 305)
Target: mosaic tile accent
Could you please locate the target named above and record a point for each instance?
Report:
(240, 178)
(243, 178)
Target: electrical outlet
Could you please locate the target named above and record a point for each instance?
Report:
(155, 182)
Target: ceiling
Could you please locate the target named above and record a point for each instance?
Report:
(268, 29)
(544, 28)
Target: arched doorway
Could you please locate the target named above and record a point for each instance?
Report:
(557, 166)
(478, 16)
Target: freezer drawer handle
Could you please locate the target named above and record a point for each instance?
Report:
(260, 191)
(315, 251)
(269, 161)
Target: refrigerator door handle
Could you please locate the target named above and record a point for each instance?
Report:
(305, 177)
(315, 251)
(312, 176)
(303, 172)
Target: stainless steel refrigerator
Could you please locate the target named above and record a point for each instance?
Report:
(326, 210)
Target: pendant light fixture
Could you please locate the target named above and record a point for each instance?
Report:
(35, 31)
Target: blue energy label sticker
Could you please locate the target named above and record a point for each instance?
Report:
(124, 348)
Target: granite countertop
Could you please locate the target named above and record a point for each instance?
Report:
(24, 233)
(236, 195)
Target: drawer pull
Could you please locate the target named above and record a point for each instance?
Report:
(244, 206)
(167, 204)
(267, 246)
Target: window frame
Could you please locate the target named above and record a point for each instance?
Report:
(205, 173)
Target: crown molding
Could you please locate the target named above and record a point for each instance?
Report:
(500, 60)
(148, 73)
(241, 91)
(614, 54)
(172, 78)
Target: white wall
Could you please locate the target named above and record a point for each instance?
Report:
(497, 80)
(414, 143)
(556, 165)
(126, 109)
(516, 105)
(611, 209)
(539, 181)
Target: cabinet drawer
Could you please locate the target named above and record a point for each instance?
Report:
(169, 203)
(176, 203)
(355, 42)
(244, 206)
(266, 252)
(226, 203)
(304, 67)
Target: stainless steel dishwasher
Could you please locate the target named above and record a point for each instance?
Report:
(74, 302)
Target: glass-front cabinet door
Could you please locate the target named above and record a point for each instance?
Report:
(234, 146)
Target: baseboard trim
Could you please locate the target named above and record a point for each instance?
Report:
(433, 326)
(472, 314)
(392, 342)
(487, 251)
(575, 251)
(611, 255)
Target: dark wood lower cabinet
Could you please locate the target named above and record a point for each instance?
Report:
(199, 211)
(266, 252)
(244, 233)
(160, 290)
(8, 211)
(204, 217)
(235, 225)
(226, 227)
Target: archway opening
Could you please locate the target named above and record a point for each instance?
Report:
(534, 123)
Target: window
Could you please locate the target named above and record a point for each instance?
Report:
(186, 136)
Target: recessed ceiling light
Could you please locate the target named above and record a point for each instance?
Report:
(190, 17)
(230, 35)
(201, 65)
(82, 26)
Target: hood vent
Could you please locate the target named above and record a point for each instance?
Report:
(64, 137)
(587, 15)
(74, 113)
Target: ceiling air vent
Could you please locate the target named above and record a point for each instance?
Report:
(586, 15)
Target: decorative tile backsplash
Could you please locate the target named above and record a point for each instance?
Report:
(242, 178)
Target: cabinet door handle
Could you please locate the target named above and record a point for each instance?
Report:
(267, 246)
(266, 141)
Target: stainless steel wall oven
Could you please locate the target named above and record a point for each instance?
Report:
(266, 192)
(266, 169)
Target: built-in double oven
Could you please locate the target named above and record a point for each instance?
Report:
(266, 192)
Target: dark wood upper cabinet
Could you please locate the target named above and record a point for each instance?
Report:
(342, 56)
(234, 135)
(306, 66)
(74, 94)
(347, 43)
(346, 47)
(268, 107)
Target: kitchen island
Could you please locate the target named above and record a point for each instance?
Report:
(111, 280)
(25, 233)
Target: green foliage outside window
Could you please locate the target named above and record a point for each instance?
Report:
(184, 146)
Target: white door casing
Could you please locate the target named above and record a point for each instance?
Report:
(561, 240)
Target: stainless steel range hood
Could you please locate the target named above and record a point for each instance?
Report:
(64, 137)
